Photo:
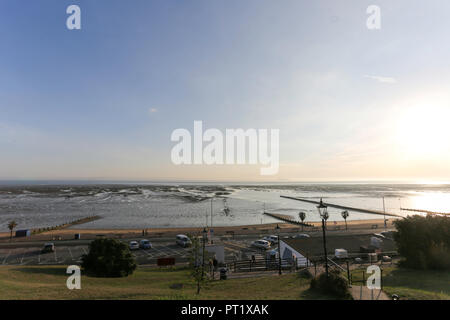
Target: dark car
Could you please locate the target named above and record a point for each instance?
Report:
(48, 247)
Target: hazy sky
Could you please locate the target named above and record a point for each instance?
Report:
(101, 102)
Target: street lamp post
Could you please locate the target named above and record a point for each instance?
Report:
(279, 249)
(323, 212)
(204, 238)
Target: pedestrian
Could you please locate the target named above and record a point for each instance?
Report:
(215, 263)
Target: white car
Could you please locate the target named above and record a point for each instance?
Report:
(301, 235)
(133, 245)
(272, 239)
(261, 244)
(145, 244)
(183, 241)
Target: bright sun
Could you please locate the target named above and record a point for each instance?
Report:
(423, 130)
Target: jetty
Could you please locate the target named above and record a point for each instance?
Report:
(288, 219)
(427, 212)
(337, 206)
(65, 225)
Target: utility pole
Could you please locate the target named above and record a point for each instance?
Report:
(384, 211)
(212, 212)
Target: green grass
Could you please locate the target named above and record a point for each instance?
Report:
(411, 284)
(49, 282)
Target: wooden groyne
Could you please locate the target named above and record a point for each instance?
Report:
(337, 206)
(65, 225)
(427, 211)
(287, 219)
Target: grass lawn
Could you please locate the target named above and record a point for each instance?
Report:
(49, 282)
(412, 284)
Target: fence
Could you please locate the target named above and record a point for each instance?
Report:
(262, 265)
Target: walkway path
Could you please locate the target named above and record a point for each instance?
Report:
(364, 293)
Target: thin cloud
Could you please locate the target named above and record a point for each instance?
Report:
(382, 79)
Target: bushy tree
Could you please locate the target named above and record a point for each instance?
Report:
(334, 285)
(108, 258)
(424, 242)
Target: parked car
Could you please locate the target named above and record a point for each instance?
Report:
(145, 244)
(301, 235)
(48, 247)
(272, 239)
(183, 241)
(261, 244)
(133, 245)
(379, 235)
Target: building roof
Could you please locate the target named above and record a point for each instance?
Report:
(310, 247)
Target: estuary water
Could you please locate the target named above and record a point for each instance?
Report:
(184, 205)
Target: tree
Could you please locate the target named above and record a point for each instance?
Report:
(197, 263)
(345, 215)
(108, 258)
(424, 242)
(11, 226)
(302, 217)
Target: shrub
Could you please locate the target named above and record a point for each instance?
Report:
(108, 258)
(333, 285)
(424, 242)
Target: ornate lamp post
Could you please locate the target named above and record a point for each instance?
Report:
(279, 249)
(323, 212)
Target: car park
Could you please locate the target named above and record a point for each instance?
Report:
(183, 241)
(145, 244)
(134, 245)
(261, 244)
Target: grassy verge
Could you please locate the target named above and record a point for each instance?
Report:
(415, 284)
(49, 282)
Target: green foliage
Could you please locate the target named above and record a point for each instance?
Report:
(424, 242)
(334, 285)
(108, 258)
(197, 265)
(11, 226)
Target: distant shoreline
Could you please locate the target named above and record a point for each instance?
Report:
(220, 230)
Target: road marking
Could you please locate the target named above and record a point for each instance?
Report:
(160, 251)
(85, 251)
(176, 252)
(149, 255)
(39, 257)
(21, 260)
(4, 260)
(70, 252)
(56, 259)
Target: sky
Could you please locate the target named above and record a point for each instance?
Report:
(102, 102)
